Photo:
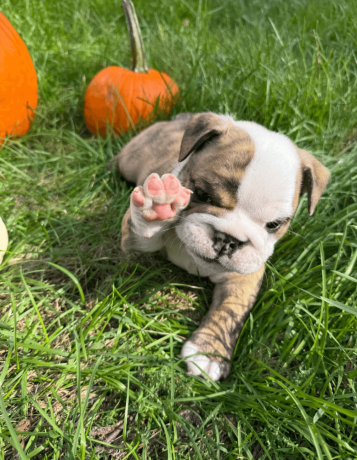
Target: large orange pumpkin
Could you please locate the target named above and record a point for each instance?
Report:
(18, 83)
(119, 98)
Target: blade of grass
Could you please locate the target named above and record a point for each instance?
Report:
(15, 440)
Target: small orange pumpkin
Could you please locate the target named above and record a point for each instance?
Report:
(120, 98)
(18, 83)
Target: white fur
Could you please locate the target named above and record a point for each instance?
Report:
(178, 255)
(268, 187)
(141, 226)
(177, 169)
(196, 362)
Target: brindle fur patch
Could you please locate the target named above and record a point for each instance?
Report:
(218, 168)
(314, 178)
(156, 149)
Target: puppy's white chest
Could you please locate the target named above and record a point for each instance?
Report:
(177, 254)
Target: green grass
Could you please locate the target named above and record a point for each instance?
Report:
(89, 338)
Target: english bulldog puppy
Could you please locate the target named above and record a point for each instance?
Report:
(215, 195)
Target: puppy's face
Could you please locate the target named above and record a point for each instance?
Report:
(246, 182)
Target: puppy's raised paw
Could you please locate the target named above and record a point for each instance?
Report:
(160, 198)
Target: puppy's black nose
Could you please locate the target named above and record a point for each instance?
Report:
(226, 245)
(229, 248)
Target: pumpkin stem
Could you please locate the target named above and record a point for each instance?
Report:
(138, 59)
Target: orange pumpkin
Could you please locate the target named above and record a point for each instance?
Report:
(18, 83)
(120, 98)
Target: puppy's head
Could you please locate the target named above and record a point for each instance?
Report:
(246, 183)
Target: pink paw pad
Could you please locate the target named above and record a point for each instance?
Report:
(160, 198)
(155, 186)
(163, 211)
(183, 197)
(172, 185)
(159, 212)
(138, 197)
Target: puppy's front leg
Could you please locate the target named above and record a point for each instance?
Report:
(216, 338)
(153, 208)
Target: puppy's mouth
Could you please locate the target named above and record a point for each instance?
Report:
(199, 256)
(207, 259)
(216, 263)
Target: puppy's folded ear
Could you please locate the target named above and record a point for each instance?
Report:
(314, 178)
(201, 128)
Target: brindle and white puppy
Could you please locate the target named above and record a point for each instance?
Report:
(216, 195)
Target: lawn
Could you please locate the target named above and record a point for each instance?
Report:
(89, 337)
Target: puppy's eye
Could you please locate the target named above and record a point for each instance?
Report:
(274, 226)
(202, 196)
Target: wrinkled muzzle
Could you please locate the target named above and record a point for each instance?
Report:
(216, 246)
